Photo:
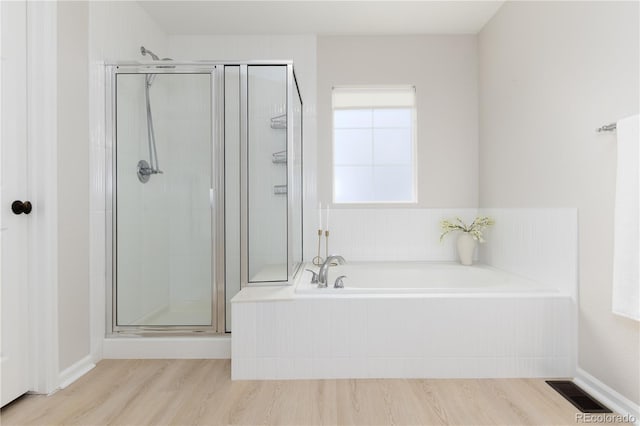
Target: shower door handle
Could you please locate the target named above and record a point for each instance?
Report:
(19, 207)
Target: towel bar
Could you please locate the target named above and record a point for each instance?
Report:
(607, 128)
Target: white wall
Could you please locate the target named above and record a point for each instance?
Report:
(444, 71)
(73, 175)
(118, 29)
(550, 73)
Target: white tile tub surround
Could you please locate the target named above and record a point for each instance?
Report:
(391, 234)
(437, 336)
(539, 244)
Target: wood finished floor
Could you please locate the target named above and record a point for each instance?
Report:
(190, 392)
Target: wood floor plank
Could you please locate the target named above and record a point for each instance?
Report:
(430, 403)
(200, 392)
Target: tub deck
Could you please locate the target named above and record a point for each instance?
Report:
(419, 278)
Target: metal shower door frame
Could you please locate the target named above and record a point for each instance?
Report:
(216, 72)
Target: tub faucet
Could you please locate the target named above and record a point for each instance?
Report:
(324, 269)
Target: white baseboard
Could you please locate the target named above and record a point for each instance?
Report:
(218, 347)
(608, 396)
(75, 371)
(96, 350)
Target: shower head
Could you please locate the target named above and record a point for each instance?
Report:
(155, 57)
(151, 77)
(147, 51)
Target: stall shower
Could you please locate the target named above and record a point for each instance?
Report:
(225, 209)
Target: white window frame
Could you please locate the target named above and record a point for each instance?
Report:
(414, 138)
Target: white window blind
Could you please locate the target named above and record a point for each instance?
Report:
(370, 97)
(374, 144)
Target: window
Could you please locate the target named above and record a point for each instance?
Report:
(374, 133)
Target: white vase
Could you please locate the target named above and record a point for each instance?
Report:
(466, 246)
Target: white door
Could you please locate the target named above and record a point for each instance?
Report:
(13, 187)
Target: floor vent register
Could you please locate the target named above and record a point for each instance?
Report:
(576, 396)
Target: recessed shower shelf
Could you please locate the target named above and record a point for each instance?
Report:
(279, 121)
(279, 189)
(279, 157)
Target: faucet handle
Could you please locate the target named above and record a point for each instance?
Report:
(314, 276)
(339, 283)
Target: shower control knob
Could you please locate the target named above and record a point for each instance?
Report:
(19, 207)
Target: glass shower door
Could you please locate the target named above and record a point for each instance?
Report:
(267, 185)
(163, 205)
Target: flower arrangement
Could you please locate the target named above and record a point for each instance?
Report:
(478, 225)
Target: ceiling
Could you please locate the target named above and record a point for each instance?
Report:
(321, 17)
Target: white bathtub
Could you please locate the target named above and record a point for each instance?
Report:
(417, 278)
(405, 320)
